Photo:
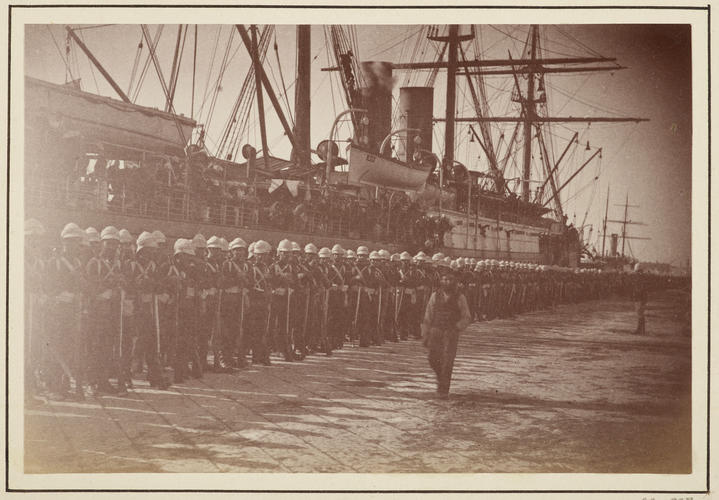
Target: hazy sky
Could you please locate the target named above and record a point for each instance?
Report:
(650, 161)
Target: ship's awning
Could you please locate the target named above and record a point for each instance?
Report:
(124, 127)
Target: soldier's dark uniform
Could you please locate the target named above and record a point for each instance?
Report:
(283, 281)
(259, 311)
(365, 307)
(338, 303)
(141, 279)
(107, 349)
(65, 350)
(35, 307)
(235, 285)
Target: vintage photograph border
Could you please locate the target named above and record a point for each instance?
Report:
(698, 280)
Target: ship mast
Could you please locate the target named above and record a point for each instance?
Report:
(604, 226)
(302, 97)
(530, 111)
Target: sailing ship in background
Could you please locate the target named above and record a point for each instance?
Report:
(391, 160)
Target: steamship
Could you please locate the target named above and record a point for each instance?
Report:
(95, 159)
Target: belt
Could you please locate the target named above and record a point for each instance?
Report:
(233, 289)
(473, 285)
(106, 295)
(207, 292)
(189, 292)
(145, 297)
(281, 291)
(370, 291)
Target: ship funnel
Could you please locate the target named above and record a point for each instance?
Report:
(376, 97)
(415, 110)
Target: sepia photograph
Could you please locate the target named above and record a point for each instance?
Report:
(338, 243)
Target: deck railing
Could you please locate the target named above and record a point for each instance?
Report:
(176, 204)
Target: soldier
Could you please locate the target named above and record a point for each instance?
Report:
(283, 280)
(127, 250)
(260, 303)
(93, 240)
(378, 283)
(337, 321)
(162, 255)
(65, 347)
(141, 277)
(235, 288)
(35, 305)
(446, 316)
(207, 278)
(365, 303)
(108, 343)
(407, 306)
(185, 284)
(331, 303)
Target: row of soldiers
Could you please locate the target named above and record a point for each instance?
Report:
(106, 306)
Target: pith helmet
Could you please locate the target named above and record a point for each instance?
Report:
(110, 233)
(384, 254)
(159, 237)
(125, 236)
(284, 246)
(199, 241)
(324, 253)
(214, 242)
(146, 240)
(261, 247)
(337, 249)
(92, 234)
(185, 246)
(237, 243)
(405, 256)
(363, 250)
(311, 248)
(72, 230)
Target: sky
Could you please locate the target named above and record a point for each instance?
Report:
(650, 161)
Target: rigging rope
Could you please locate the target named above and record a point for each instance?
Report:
(151, 46)
(68, 70)
(135, 65)
(282, 80)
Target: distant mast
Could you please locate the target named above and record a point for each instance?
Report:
(302, 97)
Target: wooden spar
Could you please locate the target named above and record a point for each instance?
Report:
(260, 103)
(268, 87)
(604, 226)
(550, 175)
(530, 111)
(573, 176)
(302, 96)
(624, 225)
(194, 70)
(97, 64)
(170, 96)
(561, 157)
(487, 144)
(452, 44)
(522, 71)
(498, 62)
(546, 119)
